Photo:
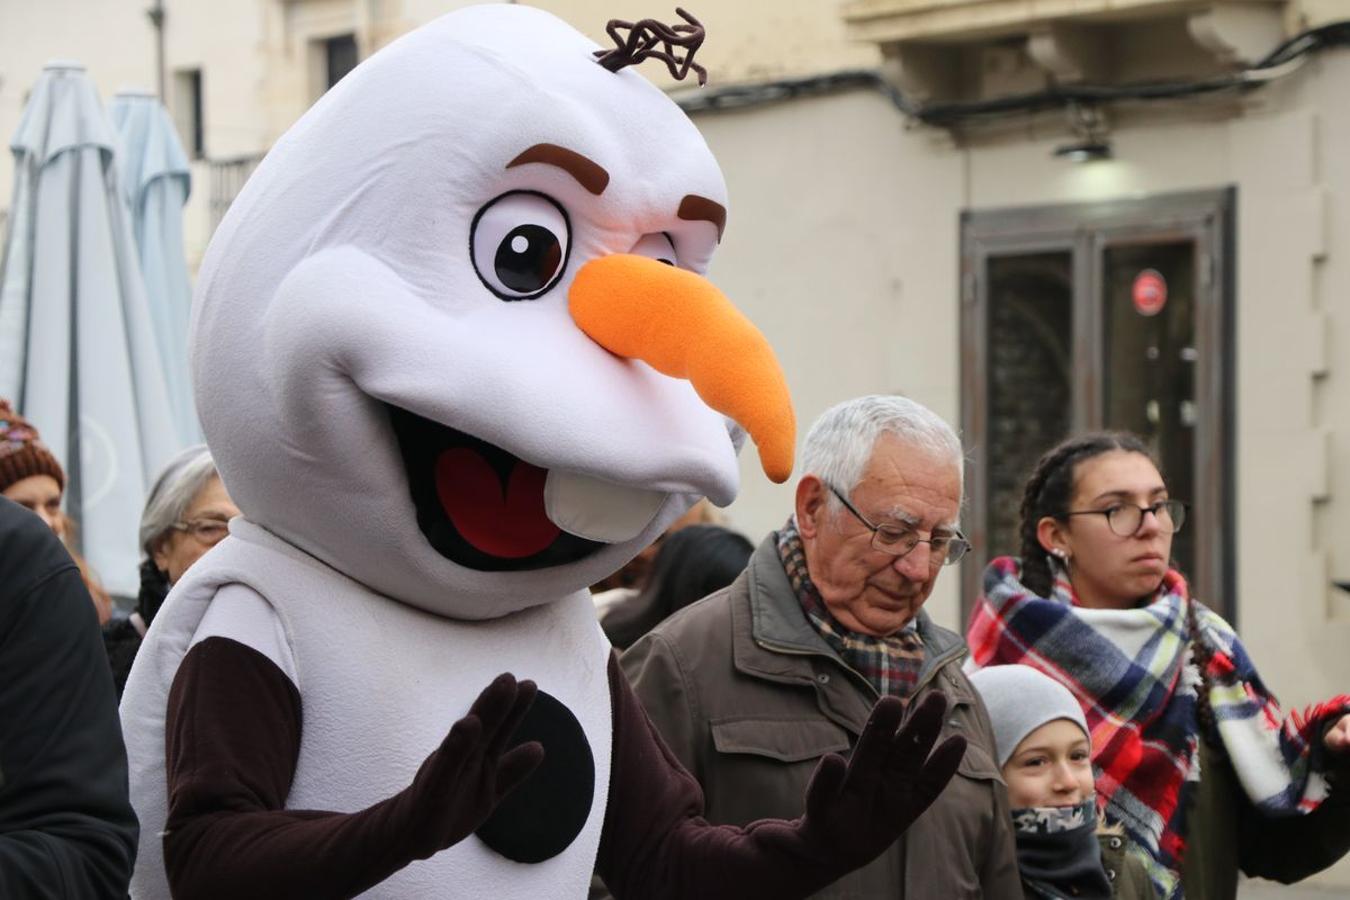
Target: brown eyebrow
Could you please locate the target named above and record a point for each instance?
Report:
(588, 173)
(694, 208)
(1125, 495)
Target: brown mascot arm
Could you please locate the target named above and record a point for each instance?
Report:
(232, 742)
(657, 846)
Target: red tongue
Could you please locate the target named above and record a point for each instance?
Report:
(511, 526)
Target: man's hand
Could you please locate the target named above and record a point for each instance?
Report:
(461, 783)
(859, 808)
(1337, 737)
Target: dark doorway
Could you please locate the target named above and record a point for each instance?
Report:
(340, 57)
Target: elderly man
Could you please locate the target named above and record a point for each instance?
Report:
(753, 684)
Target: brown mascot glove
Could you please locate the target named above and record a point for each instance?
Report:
(858, 808)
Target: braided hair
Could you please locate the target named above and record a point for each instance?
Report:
(1202, 654)
(1049, 490)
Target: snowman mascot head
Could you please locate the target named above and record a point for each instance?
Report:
(454, 339)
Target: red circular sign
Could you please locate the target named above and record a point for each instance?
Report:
(1149, 292)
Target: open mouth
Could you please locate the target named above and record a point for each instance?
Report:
(478, 505)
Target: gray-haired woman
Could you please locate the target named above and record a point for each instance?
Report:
(186, 514)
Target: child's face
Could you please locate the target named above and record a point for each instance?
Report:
(1051, 767)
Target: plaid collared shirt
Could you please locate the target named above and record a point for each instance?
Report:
(890, 663)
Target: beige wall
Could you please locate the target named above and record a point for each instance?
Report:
(113, 38)
(846, 257)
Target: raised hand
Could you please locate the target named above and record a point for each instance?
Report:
(858, 808)
(462, 781)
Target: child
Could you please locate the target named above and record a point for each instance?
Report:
(1045, 753)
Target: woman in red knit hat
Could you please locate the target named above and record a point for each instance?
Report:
(31, 477)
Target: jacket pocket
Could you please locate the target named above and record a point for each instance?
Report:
(785, 740)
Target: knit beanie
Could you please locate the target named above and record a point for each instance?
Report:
(22, 453)
(1021, 699)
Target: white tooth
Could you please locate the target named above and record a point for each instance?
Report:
(598, 510)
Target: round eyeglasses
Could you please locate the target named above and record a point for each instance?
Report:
(1125, 519)
(943, 549)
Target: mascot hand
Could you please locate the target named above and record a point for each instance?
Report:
(460, 784)
(859, 808)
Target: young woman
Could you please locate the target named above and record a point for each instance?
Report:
(1194, 756)
(1045, 755)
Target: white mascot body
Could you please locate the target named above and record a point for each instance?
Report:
(449, 384)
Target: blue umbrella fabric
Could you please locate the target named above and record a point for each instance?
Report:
(156, 181)
(77, 348)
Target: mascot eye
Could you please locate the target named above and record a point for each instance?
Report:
(656, 246)
(519, 244)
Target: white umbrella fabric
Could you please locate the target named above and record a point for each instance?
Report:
(156, 181)
(77, 349)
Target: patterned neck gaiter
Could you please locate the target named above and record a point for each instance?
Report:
(1058, 853)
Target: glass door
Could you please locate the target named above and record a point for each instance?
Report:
(1149, 386)
(1028, 378)
(1111, 315)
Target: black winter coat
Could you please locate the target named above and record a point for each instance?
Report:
(66, 824)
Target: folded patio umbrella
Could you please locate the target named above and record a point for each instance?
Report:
(156, 181)
(78, 355)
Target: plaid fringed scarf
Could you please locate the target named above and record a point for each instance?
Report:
(1131, 671)
(890, 663)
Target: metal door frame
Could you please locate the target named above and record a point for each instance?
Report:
(1086, 231)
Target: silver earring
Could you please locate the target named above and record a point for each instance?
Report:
(1061, 554)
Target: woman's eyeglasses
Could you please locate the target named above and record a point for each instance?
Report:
(209, 531)
(1125, 519)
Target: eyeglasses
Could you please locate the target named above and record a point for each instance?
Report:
(209, 531)
(944, 549)
(1125, 519)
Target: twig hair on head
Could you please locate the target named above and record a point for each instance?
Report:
(641, 43)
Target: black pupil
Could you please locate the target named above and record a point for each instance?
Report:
(527, 258)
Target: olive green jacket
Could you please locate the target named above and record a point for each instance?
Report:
(1129, 878)
(749, 697)
(1225, 833)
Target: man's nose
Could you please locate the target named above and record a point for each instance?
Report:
(916, 564)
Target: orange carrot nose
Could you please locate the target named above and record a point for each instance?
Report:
(682, 326)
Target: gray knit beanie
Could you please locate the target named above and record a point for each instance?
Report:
(1021, 699)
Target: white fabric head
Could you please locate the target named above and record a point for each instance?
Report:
(341, 285)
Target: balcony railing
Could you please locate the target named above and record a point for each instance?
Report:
(227, 180)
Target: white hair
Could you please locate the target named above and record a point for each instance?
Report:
(840, 442)
(179, 482)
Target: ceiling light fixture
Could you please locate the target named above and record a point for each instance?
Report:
(1084, 151)
(1090, 128)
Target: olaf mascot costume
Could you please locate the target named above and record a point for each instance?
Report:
(456, 359)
